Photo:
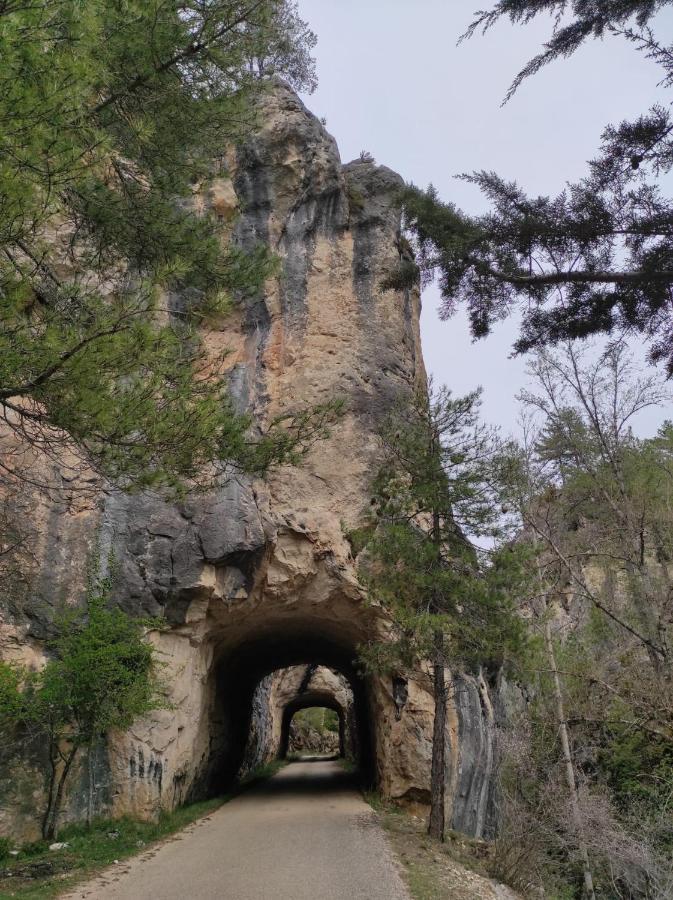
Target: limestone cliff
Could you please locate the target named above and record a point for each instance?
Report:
(258, 576)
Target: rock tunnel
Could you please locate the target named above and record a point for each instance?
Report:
(258, 576)
(261, 683)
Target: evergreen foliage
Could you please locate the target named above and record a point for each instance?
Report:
(112, 115)
(597, 258)
(435, 495)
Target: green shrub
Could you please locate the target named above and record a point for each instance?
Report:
(356, 199)
(402, 277)
(5, 847)
(101, 676)
(358, 538)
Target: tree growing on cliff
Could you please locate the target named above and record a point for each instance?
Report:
(434, 494)
(112, 115)
(597, 258)
(284, 48)
(100, 677)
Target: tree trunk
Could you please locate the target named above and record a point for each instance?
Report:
(50, 826)
(52, 787)
(488, 764)
(91, 787)
(438, 771)
(568, 760)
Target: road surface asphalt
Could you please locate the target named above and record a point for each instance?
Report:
(304, 834)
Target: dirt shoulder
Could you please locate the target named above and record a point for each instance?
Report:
(434, 871)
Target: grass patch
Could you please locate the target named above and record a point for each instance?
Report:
(378, 804)
(358, 538)
(38, 873)
(261, 773)
(422, 881)
(454, 870)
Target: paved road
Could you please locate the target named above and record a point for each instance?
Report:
(305, 834)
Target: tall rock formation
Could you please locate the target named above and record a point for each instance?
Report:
(259, 575)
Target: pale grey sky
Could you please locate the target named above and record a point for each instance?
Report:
(392, 81)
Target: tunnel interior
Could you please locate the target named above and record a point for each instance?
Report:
(238, 673)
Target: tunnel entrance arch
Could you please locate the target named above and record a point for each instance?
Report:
(234, 706)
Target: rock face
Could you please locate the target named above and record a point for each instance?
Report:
(259, 577)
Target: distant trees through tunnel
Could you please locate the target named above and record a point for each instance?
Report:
(313, 731)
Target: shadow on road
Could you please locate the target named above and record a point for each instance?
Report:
(301, 780)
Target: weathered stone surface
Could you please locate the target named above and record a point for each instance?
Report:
(257, 577)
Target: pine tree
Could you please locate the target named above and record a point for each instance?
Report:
(434, 494)
(111, 115)
(597, 258)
